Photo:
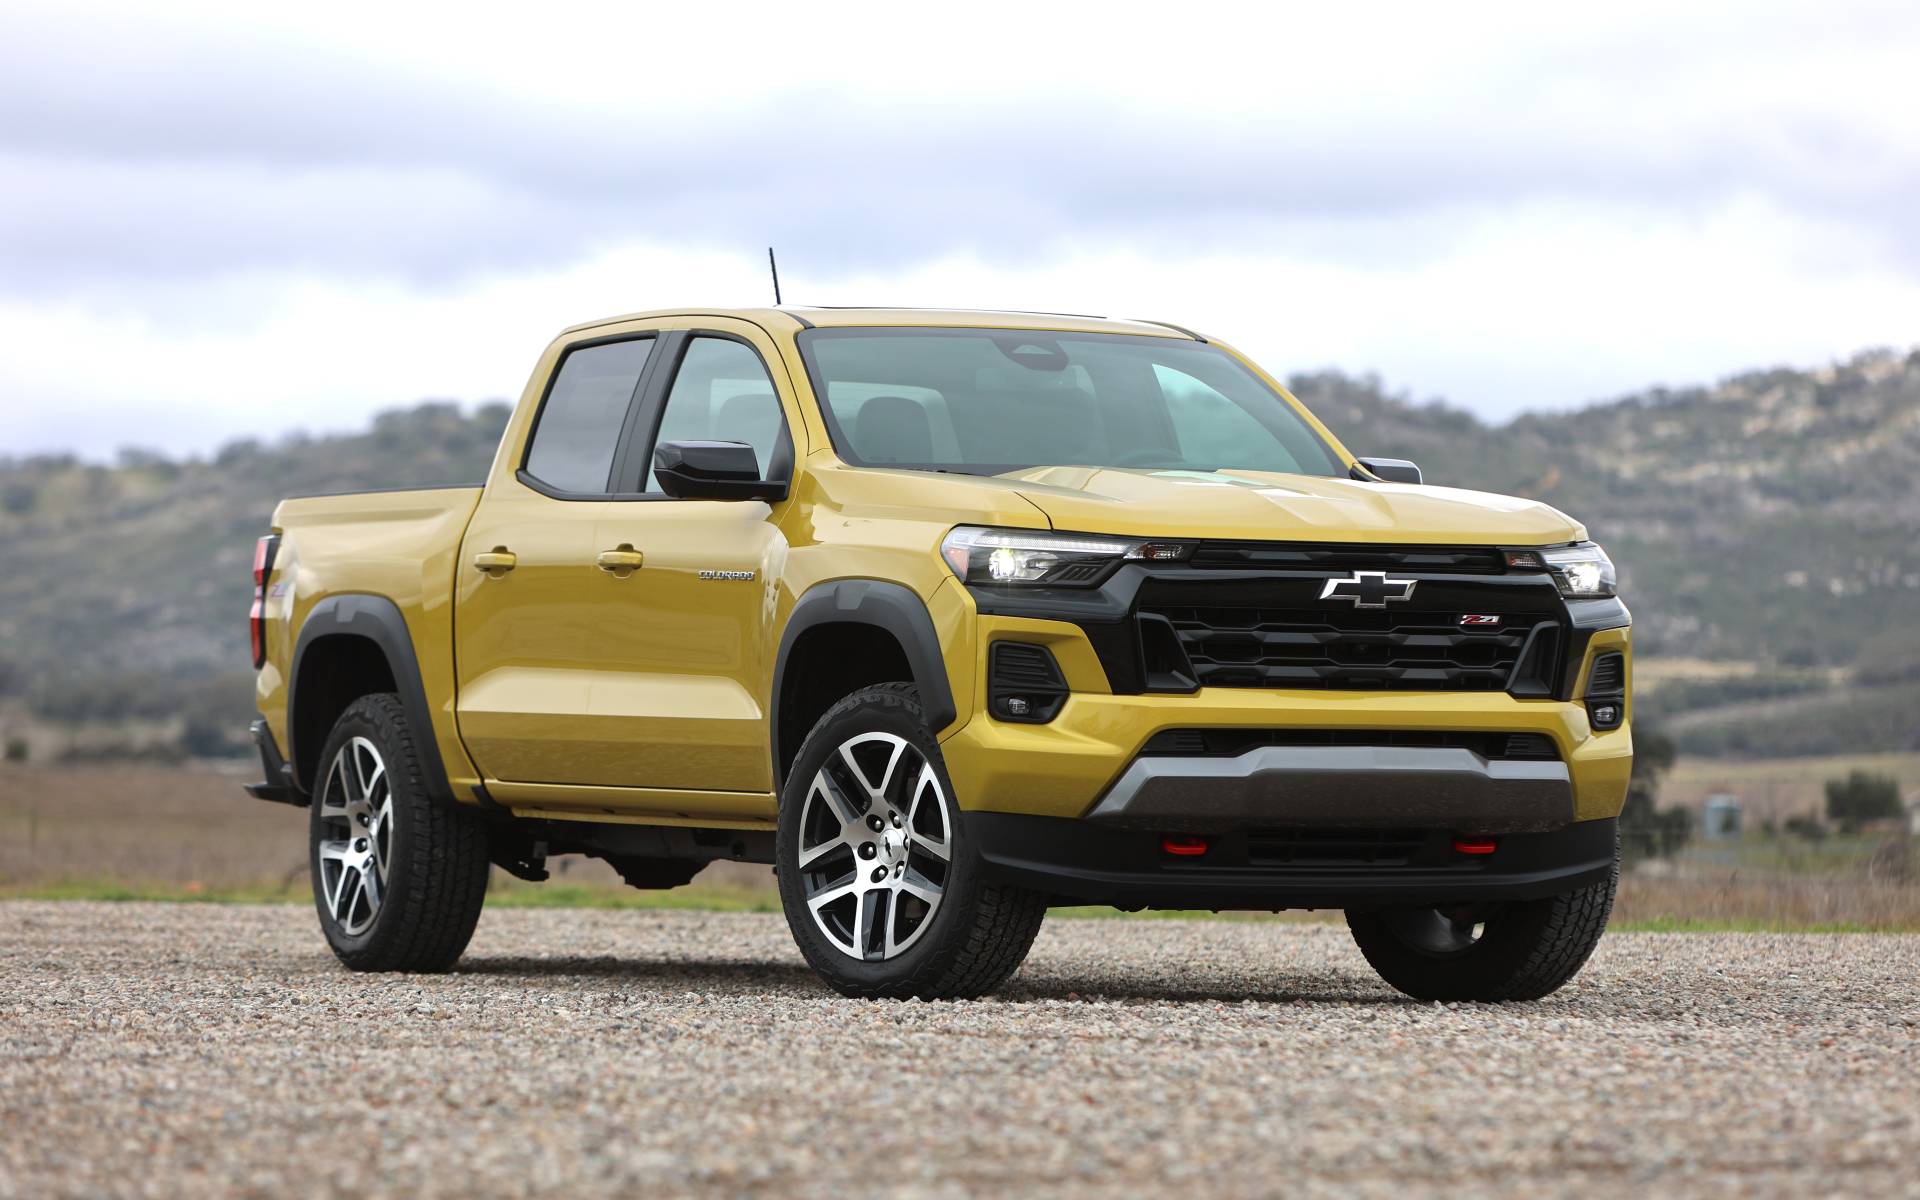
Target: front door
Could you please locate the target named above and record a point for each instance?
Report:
(688, 644)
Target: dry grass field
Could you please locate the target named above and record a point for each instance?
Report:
(133, 831)
(1777, 788)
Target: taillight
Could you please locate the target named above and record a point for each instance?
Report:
(263, 554)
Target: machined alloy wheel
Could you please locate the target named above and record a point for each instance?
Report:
(876, 846)
(884, 892)
(356, 816)
(399, 876)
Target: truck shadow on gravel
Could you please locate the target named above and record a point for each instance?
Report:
(747, 979)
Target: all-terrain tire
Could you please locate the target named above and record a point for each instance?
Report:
(979, 933)
(1527, 949)
(435, 853)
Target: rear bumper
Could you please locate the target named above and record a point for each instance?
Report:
(1086, 862)
(1369, 787)
(278, 786)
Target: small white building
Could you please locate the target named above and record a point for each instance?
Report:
(1720, 817)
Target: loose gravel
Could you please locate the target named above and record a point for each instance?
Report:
(170, 1050)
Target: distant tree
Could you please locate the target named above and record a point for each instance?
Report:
(18, 497)
(1804, 826)
(1862, 797)
(1646, 829)
(17, 750)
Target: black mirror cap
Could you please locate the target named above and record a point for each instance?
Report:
(1392, 470)
(713, 471)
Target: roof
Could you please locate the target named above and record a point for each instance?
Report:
(799, 317)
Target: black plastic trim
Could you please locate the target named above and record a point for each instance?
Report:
(378, 620)
(1109, 613)
(1050, 687)
(1077, 862)
(1177, 329)
(888, 606)
(280, 785)
(1586, 618)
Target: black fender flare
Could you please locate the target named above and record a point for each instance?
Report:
(891, 607)
(378, 620)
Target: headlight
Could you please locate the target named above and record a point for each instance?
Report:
(1023, 556)
(1582, 571)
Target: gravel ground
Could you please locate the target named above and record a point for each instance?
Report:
(207, 1050)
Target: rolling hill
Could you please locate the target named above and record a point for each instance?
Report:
(1765, 528)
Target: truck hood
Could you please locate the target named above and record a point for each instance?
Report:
(1274, 507)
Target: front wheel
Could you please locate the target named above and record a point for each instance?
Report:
(398, 878)
(883, 893)
(1515, 950)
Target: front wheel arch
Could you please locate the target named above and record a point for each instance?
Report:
(888, 609)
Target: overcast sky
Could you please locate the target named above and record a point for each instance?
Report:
(229, 220)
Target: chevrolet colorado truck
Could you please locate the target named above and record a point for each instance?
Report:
(950, 617)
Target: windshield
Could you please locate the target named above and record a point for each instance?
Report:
(988, 401)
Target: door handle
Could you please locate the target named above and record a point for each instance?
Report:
(496, 562)
(621, 561)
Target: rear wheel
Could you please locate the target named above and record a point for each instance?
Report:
(398, 879)
(1515, 950)
(881, 889)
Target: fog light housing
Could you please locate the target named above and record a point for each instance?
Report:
(1607, 692)
(1024, 683)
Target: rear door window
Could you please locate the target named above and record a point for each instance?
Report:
(578, 428)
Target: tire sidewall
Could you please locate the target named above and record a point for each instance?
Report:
(873, 710)
(366, 718)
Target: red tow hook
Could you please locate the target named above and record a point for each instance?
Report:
(1185, 845)
(1475, 845)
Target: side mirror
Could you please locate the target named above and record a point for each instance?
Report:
(713, 471)
(1393, 470)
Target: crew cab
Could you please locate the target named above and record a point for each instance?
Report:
(951, 617)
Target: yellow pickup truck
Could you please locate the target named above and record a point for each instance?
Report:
(950, 617)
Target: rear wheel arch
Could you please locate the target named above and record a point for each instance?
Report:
(846, 635)
(351, 646)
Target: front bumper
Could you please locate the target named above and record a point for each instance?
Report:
(1067, 767)
(1354, 787)
(1083, 862)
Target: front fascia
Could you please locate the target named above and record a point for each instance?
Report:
(1061, 769)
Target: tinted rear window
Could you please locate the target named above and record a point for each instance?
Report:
(579, 425)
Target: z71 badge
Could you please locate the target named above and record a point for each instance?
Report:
(1479, 619)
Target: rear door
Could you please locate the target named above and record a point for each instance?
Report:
(530, 629)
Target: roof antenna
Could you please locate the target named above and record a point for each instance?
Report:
(775, 268)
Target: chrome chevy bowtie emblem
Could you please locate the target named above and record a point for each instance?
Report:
(1368, 589)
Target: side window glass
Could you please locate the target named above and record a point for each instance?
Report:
(722, 394)
(579, 426)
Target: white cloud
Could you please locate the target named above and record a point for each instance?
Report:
(219, 220)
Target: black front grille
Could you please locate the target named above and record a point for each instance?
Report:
(1351, 648)
(1308, 556)
(1229, 743)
